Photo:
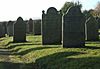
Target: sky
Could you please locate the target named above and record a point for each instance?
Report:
(12, 9)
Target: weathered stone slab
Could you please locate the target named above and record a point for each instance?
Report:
(51, 27)
(10, 28)
(19, 31)
(74, 28)
(92, 29)
(37, 27)
(2, 30)
(30, 23)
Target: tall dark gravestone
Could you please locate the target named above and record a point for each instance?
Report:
(73, 28)
(19, 31)
(30, 23)
(10, 28)
(92, 29)
(5, 27)
(51, 27)
(37, 27)
(98, 20)
(2, 30)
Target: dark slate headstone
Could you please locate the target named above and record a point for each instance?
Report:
(27, 26)
(37, 27)
(98, 20)
(92, 29)
(51, 27)
(10, 28)
(2, 30)
(19, 31)
(5, 27)
(74, 28)
(30, 23)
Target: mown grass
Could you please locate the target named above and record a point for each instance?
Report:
(33, 55)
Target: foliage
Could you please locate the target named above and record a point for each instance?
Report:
(67, 5)
(98, 7)
(87, 14)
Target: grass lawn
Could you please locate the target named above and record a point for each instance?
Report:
(33, 55)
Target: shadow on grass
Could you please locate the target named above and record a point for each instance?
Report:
(63, 60)
(13, 46)
(92, 47)
(23, 44)
(2, 39)
(87, 47)
(11, 42)
(92, 42)
(10, 65)
(16, 50)
(32, 49)
(8, 43)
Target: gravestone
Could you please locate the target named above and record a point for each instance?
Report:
(27, 26)
(5, 27)
(51, 26)
(2, 30)
(98, 20)
(19, 31)
(74, 28)
(30, 23)
(10, 27)
(37, 27)
(92, 29)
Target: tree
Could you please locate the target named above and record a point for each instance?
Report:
(97, 9)
(88, 13)
(67, 5)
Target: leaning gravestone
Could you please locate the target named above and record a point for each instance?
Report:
(51, 26)
(10, 28)
(30, 23)
(74, 28)
(19, 31)
(92, 29)
(37, 27)
(2, 30)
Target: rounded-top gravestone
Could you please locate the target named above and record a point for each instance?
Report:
(19, 31)
(30, 23)
(10, 27)
(74, 28)
(2, 30)
(92, 29)
(51, 26)
(52, 10)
